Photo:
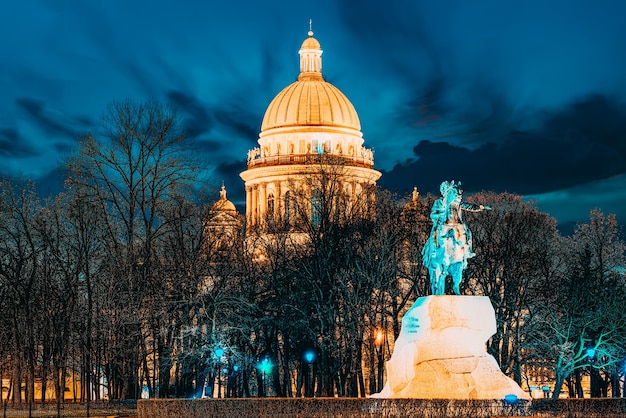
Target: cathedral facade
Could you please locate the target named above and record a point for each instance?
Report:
(310, 130)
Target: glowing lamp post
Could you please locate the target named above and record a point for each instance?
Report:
(265, 366)
(219, 352)
(379, 343)
(235, 385)
(309, 357)
(591, 354)
(594, 387)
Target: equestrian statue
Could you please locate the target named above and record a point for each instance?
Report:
(450, 242)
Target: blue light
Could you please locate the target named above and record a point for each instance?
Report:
(591, 353)
(309, 356)
(265, 366)
(511, 399)
(236, 367)
(219, 352)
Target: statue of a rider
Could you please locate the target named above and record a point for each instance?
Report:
(450, 243)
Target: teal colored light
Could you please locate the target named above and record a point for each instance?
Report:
(511, 399)
(591, 353)
(265, 366)
(309, 356)
(236, 367)
(219, 352)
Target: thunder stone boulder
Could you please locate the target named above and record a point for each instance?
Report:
(440, 352)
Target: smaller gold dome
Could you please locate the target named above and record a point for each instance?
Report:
(224, 205)
(310, 43)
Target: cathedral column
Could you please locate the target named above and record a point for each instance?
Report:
(262, 203)
(255, 205)
(249, 205)
(278, 202)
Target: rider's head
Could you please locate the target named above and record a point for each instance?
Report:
(448, 186)
(445, 187)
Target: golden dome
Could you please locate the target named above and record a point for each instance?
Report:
(224, 205)
(310, 43)
(310, 100)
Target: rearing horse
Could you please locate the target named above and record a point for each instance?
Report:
(450, 243)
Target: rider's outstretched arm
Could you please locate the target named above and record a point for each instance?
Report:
(470, 207)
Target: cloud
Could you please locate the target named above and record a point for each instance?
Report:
(579, 143)
(13, 145)
(598, 120)
(51, 122)
(196, 120)
(239, 121)
(37, 111)
(200, 119)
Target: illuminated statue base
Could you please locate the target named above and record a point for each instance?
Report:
(440, 353)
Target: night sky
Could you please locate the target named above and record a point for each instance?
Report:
(527, 97)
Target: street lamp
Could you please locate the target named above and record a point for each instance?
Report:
(219, 352)
(379, 343)
(591, 353)
(594, 387)
(309, 357)
(235, 385)
(265, 366)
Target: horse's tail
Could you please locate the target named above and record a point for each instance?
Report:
(428, 252)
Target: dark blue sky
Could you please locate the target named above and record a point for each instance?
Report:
(527, 97)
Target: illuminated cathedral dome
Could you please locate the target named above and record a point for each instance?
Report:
(310, 100)
(309, 126)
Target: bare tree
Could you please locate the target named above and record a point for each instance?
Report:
(19, 270)
(131, 169)
(514, 245)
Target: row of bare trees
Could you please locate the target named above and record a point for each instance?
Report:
(119, 283)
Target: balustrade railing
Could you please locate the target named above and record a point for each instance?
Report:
(310, 159)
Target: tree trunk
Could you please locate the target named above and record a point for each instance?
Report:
(245, 383)
(578, 384)
(595, 383)
(570, 387)
(303, 379)
(615, 385)
(558, 384)
(59, 389)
